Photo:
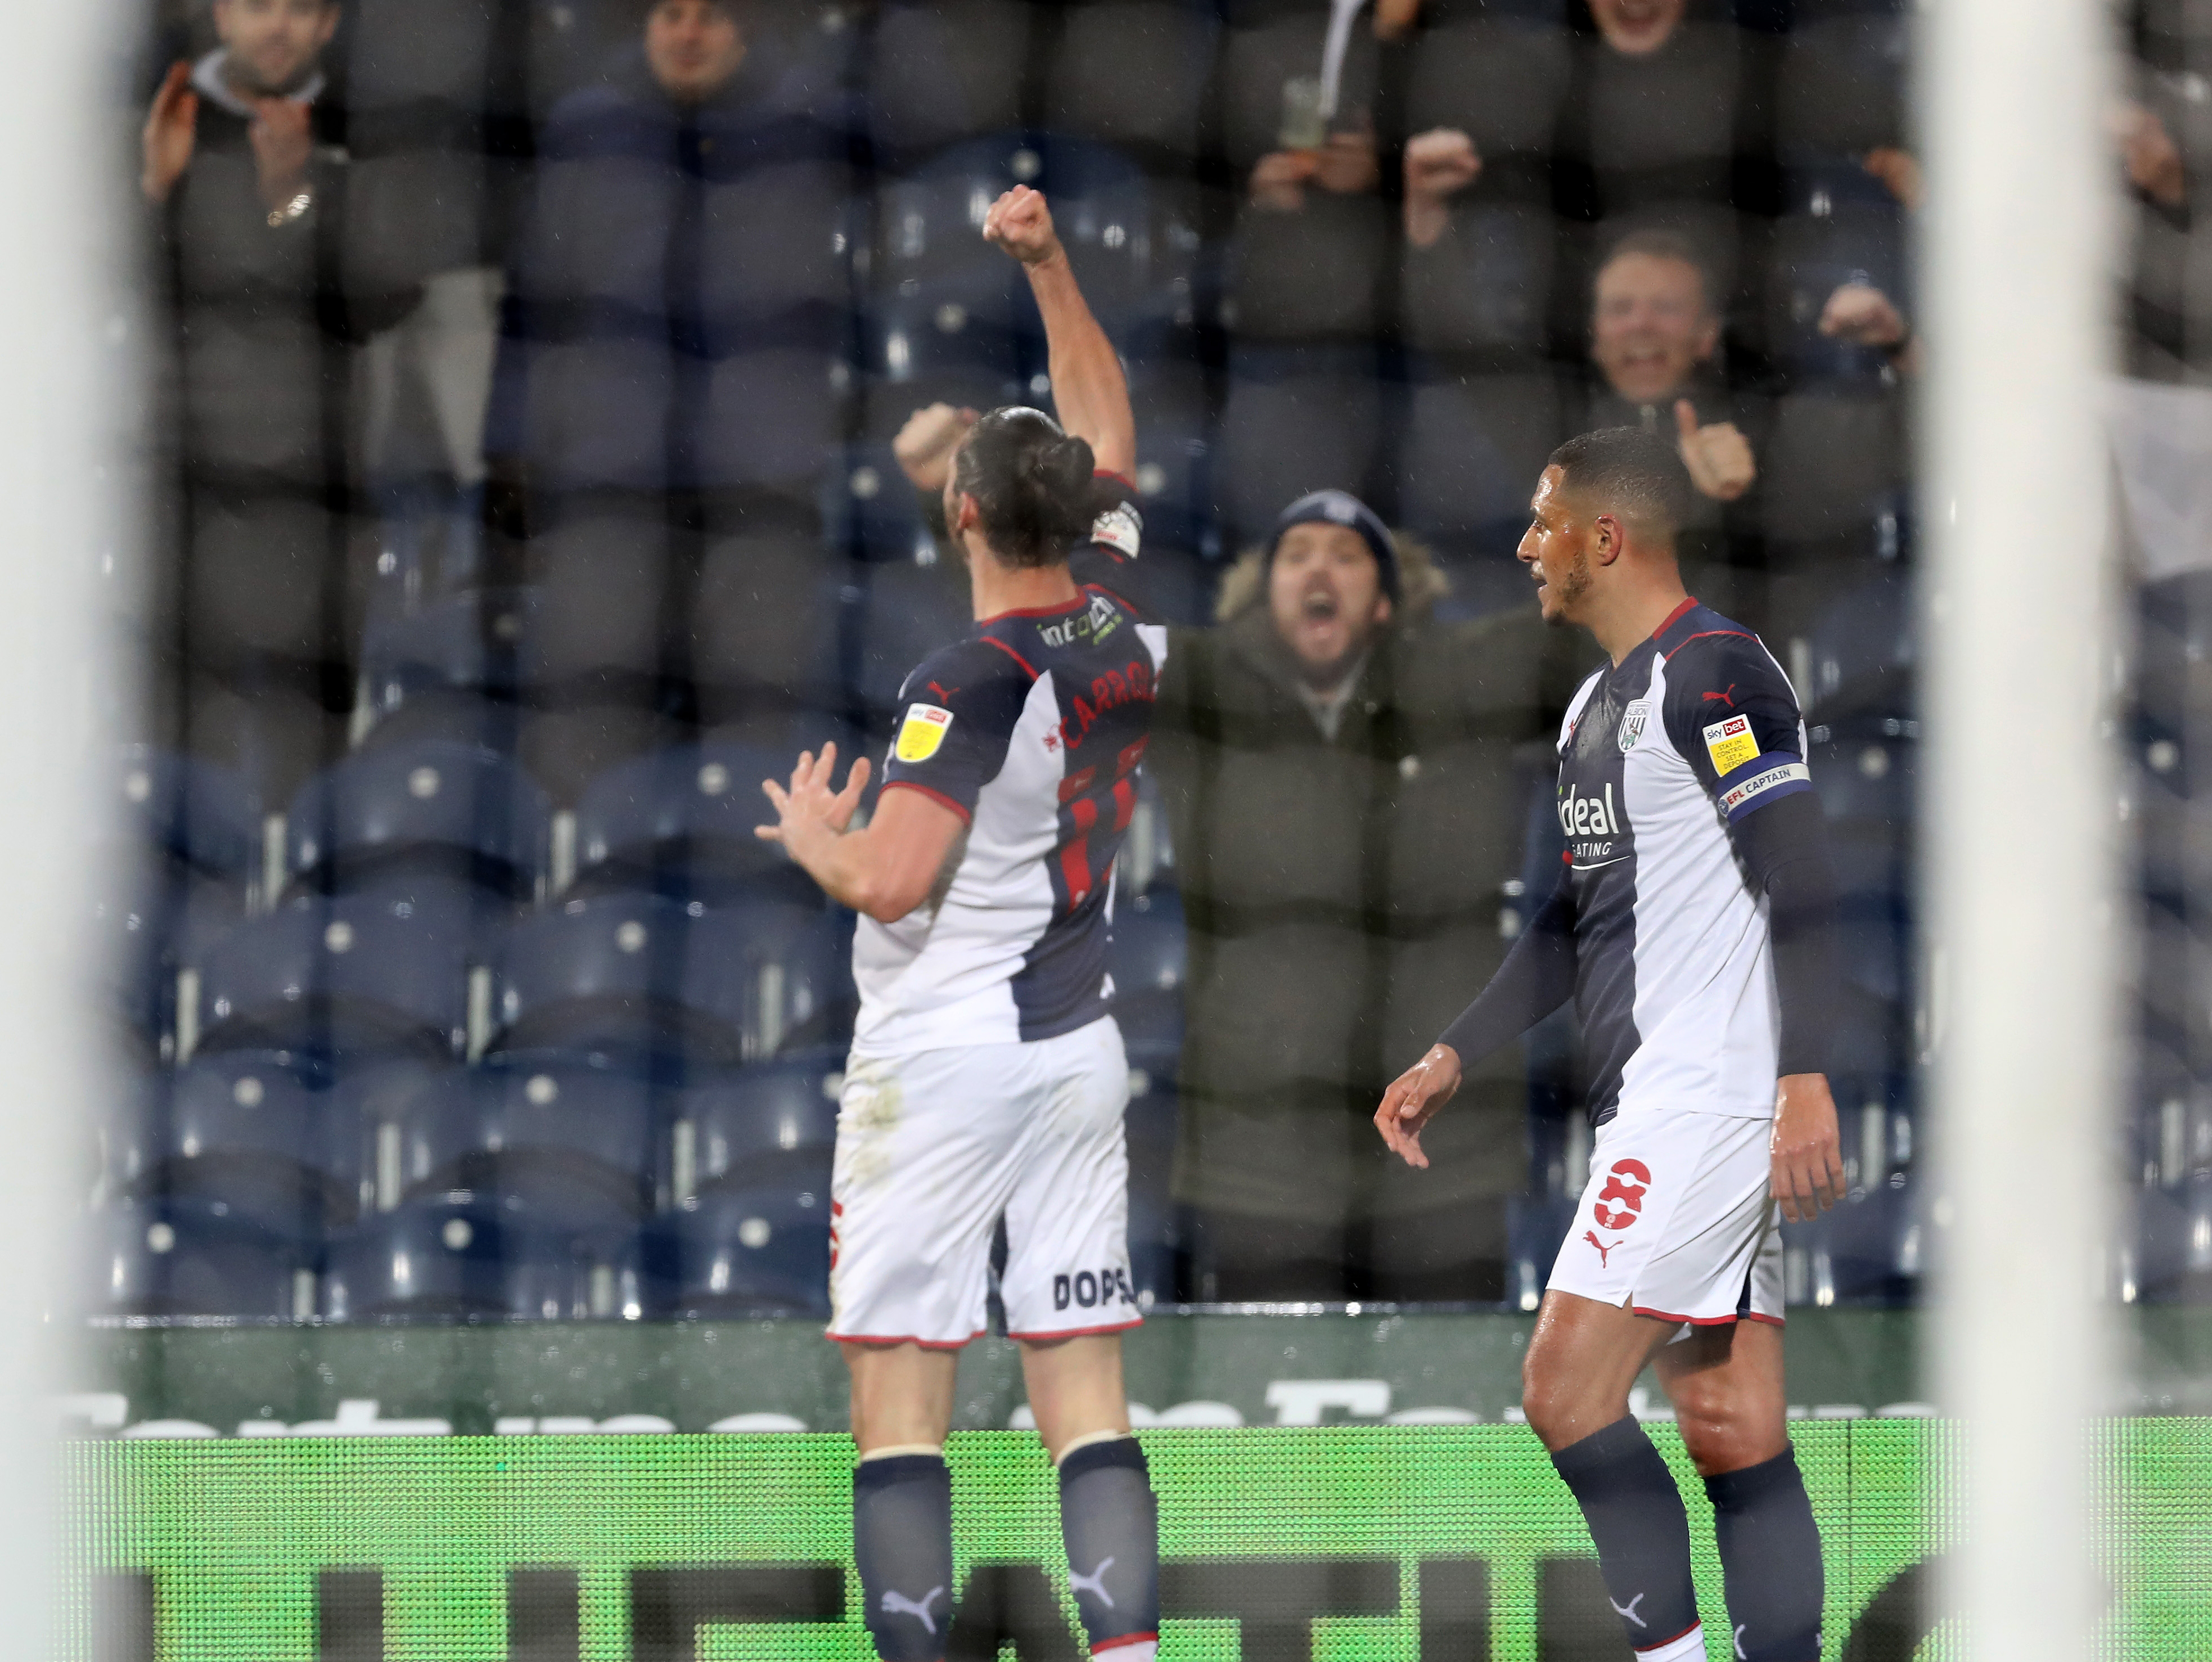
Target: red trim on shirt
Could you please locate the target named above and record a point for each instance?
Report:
(1037, 610)
(994, 640)
(966, 818)
(1689, 604)
(1706, 634)
(1118, 478)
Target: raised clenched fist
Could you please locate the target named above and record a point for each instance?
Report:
(925, 445)
(1021, 223)
(1718, 457)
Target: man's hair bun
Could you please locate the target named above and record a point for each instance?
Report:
(1031, 483)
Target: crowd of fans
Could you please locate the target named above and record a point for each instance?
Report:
(540, 386)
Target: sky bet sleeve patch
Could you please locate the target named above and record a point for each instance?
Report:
(922, 732)
(1729, 743)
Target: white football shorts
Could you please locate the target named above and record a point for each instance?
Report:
(1679, 1221)
(935, 1146)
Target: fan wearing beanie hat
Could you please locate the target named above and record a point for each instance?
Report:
(1332, 584)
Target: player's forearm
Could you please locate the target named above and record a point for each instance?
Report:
(1087, 387)
(1537, 977)
(853, 871)
(1785, 846)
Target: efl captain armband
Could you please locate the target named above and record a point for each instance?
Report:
(1761, 781)
(1120, 528)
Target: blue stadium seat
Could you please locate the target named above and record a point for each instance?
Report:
(907, 613)
(1151, 101)
(746, 1252)
(872, 511)
(2172, 1243)
(774, 1120)
(1865, 654)
(944, 70)
(429, 807)
(681, 823)
(466, 1254)
(1149, 968)
(1866, 788)
(641, 980)
(1875, 1247)
(573, 1148)
(243, 1128)
(149, 916)
(1296, 421)
(200, 816)
(194, 1257)
(1535, 1225)
(1471, 443)
(1155, 1245)
(464, 644)
(345, 979)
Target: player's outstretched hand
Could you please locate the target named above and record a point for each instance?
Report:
(809, 807)
(1021, 223)
(1808, 1154)
(1413, 1101)
(925, 445)
(1718, 457)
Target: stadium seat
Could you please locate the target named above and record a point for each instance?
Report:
(906, 611)
(1485, 292)
(1151, 1124)
(2171, 1248)
(1535, 1226)
(1497, 78)
(1152, 102)
(1875, 1247)
(466, 1254)
(242, 1128)
(565, 749)
(573, 1148)
(738, 1252)
(1841, 84)
(1864, 655)
(643, 981)
(590, 632)
(1867, 789)
(1147, 859)
(1148, 965)
(458, 649)
(201, 816)
(345, 979)
(1295, 422)
(770, 1122)
(944, 70)
(1833, 470)
(431, 807)
(680, 823)
(1315, 274)
(149, 917)
(763, 625)
(1471, 443)
(194, 1257)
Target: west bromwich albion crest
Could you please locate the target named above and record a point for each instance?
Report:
(1632, 724)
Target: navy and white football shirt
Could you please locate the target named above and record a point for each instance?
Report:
(1674, 977)
(1031, 730)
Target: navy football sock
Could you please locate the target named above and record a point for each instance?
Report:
(1109, 1521)
(903, 1540)
(1635, 1515)
(1770, 1560)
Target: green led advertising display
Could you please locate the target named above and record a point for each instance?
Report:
(1331, 1544)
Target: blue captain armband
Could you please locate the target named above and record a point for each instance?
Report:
(1761, 779)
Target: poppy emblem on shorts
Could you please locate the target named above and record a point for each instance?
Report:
(1627, 1182)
